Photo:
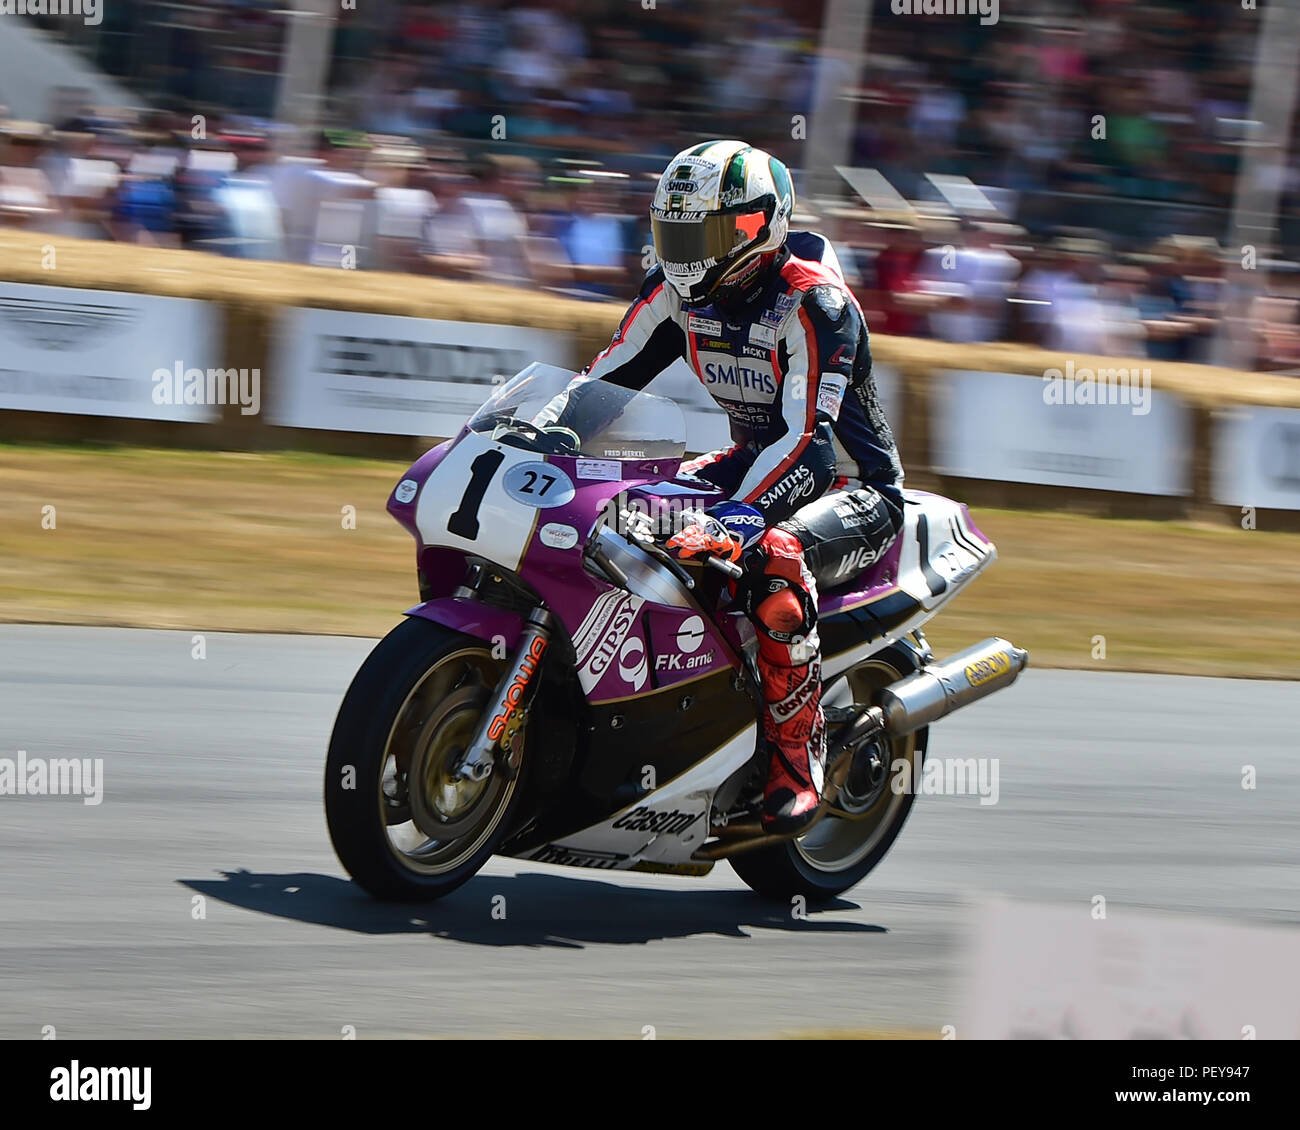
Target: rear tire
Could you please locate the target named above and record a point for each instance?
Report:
(837, 853)
(411, 708)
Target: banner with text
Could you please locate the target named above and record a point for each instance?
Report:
(1021, 429)
(96, 353)
(381, 373)
(1257, 458)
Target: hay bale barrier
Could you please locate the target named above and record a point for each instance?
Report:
(249, 296)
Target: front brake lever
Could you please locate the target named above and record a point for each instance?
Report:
(640, 535)
(674, 566)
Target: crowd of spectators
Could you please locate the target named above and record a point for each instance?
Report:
(516, 141)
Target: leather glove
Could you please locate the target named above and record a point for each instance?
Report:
(724, 530)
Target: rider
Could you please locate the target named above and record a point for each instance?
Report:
(813, 480)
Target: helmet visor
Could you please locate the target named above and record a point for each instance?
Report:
(690, 248)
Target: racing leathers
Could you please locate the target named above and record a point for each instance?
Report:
(811, 452)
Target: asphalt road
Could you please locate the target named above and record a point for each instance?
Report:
(1117, 783)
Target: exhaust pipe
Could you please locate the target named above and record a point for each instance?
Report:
(902, 707)
(940, 688)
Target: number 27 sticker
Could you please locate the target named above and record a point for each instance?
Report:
(538, 484)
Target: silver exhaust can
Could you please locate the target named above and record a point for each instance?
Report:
(940, 688)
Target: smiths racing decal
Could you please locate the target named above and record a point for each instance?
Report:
(671, 823)
(982, 670)
(799, 483)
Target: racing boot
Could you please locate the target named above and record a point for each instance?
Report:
(793, 723)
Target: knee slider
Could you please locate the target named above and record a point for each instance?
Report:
(775, 597)
(781, 612)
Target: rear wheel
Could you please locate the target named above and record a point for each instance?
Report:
(840, 849)
(402, 825)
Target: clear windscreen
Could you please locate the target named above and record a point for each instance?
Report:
(611, 422)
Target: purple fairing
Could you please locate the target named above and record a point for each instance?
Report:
(418, 473)
(472, 617)
(970, 525)
(623, 645)
(881, 578)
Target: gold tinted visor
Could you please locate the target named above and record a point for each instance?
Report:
(691, 247)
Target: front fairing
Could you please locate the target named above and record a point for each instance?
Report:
(480, 498)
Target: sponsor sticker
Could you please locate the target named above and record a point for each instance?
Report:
(630, 655)
(830, 394)
(406, 490)
(799, 483)
(576, 857)
(557, 535)
(670, 823)
(982, 670)
(595, 622)
(760, 334)
(631, 663)
(780, 310)
(538, 484)
(698, 325)
(671, 662)
(606, 470)
(690, 634)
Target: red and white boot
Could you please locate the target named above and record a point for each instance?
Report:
(795, 730)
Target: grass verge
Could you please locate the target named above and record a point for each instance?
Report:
(258, 542)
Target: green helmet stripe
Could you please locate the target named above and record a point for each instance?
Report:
(734, 177)
(781, 178)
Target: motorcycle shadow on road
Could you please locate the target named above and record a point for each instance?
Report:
(540, 909)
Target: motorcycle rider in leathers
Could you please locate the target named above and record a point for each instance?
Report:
(813, 480)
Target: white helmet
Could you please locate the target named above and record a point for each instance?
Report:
(717, 208)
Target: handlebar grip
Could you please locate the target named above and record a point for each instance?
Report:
(730, 568)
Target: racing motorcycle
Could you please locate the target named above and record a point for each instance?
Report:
(567, 692)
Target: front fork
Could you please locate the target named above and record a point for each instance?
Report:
(507, 712)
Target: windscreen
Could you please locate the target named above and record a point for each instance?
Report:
(611, 422)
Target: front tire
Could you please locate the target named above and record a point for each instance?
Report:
(403, 827)
(839, 851)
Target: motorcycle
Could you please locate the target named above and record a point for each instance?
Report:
(567, 692)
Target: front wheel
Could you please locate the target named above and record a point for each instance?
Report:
(841, 848)
(402, 825)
